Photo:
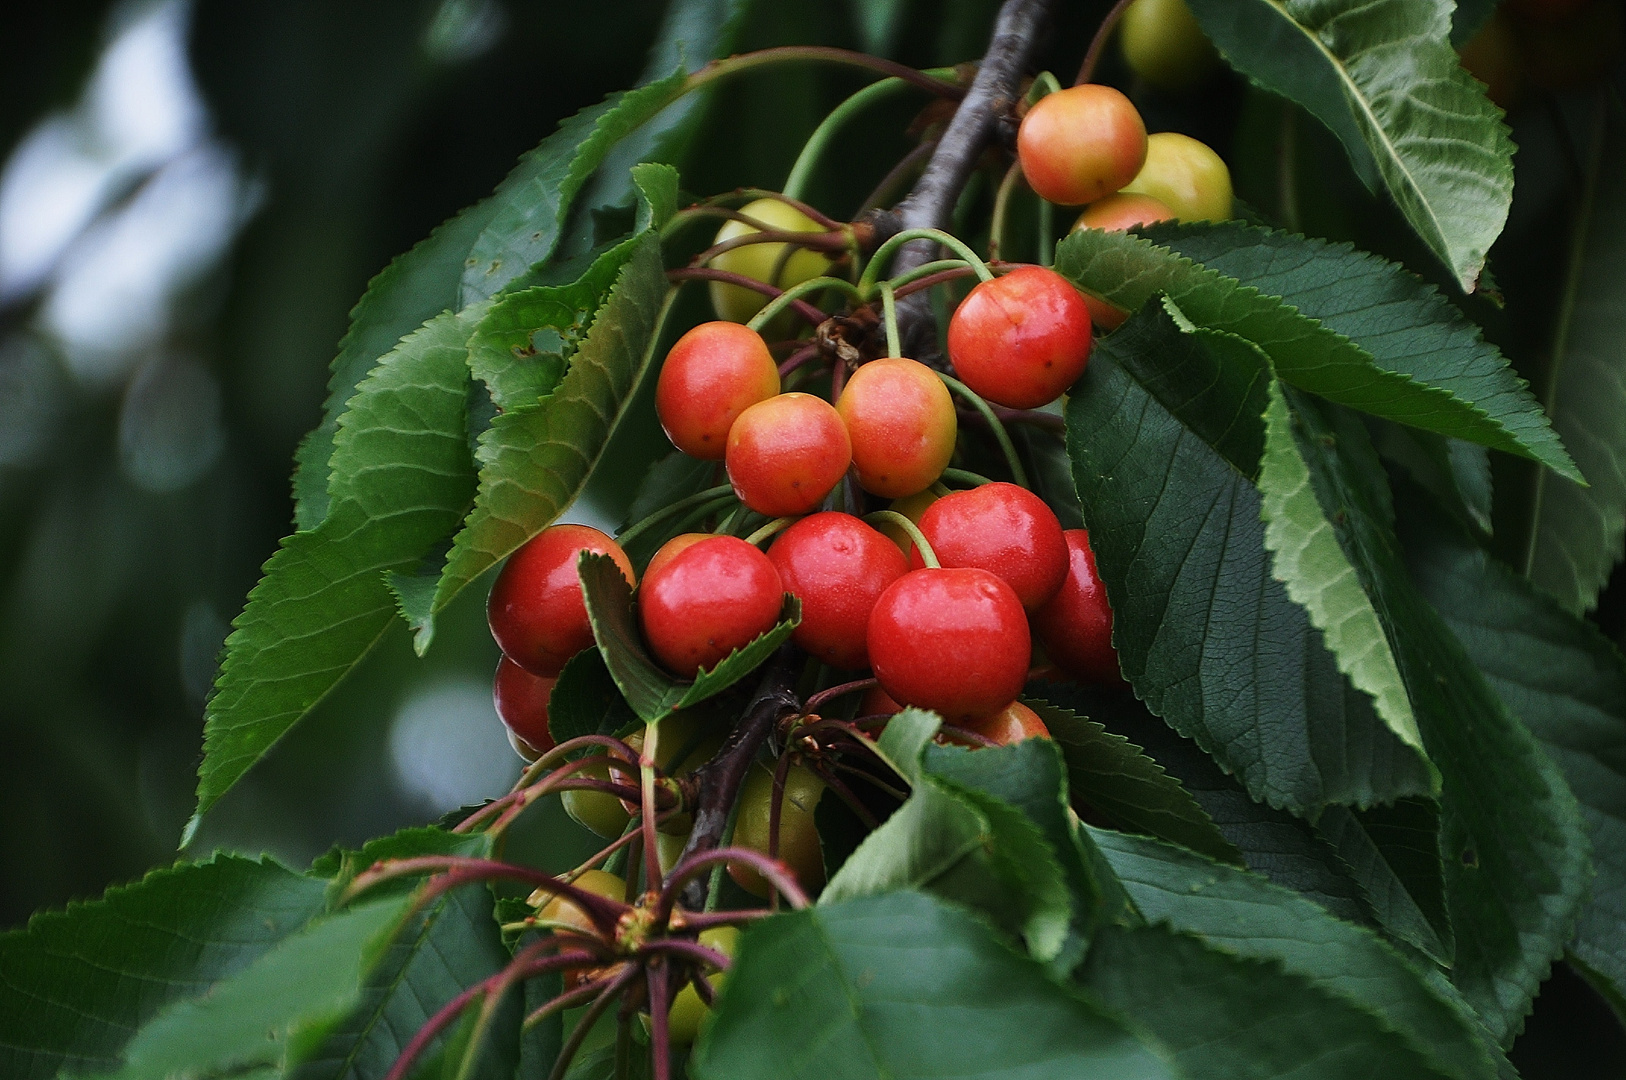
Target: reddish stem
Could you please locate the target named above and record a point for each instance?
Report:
(1086, 70)
(803, 355)
(705, 920)
(825, 241)
(812, 315)
(853, 687)
(689, 950)
(931, 280)
(657, 980)
(614, 986)
(776, 872)
(604, 912)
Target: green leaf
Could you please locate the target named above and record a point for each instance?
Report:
(75, 984)
(902, 985)
(1565, 681)
(1129, 271)
(534, 461)
(1393, 852)
(402, 480)
(1305, 556)
(1210, 640)
(269, 1013)
(1382, 76)
(878, 23)
(1513, 844)
(586, 701)
(1226, 1017)
(1114, 776)
(1579, 531)
(1248, 916)
(1456, 473)
(652, 693)
(1468, 18)
(1403, 323)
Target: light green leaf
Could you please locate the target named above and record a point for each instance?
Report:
(903, 985)
(1383, 77)
(1307, 559)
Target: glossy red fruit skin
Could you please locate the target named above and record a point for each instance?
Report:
(1075, 628)
(901, 421)
(1004, 529)
(670, 550)
(1011, 724)
(1082, 143)
(713, 373)
(952, 640)
(786, 454)
(522, 704)
(536, 611)
(708, 600)
(1022, 339)
(877, 702)
(839, 567)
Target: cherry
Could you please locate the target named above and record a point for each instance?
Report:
(737, 303)
(786, 454)
(706, 601)
(1075, 628)
(950, 639)
(1163, 43)
(1186, 176)
(559, 908)
(1079, 144)
(838, 566)
(536, 609)
(522, 704)
(686, 732)
(877, 702)
(901, 421)
(688, 1011)
(1022, 339)
(712, 374)
(598, 812)
(1011, 724)
(667, 551)
(1003, 529)
(1122, 212)
(799, 844)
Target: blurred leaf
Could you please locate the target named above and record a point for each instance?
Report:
(1565, 681)
(652, 693)
(533, 462)
(1249, 917)
(75, 984)
(902, 985)
(1579, 531)
(1514, 847)
(271, 1012)
(1128, 271)
(1221, 1015)
(1381, 74)
(1403, 323)
(1114, 776)
(401, 482)
(878, 23)
(1469, 16)
(586, 701)
(1393, 852)
(1211, 641)
(1305, 557)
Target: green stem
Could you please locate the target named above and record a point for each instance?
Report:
(965, 476)
(872, 272)
(709, 495)
(796, 292)
(927, 270)
(1001, 436)
(715, 886)
(892, 517)
(777, 525)
(733, 65)
(889, 313)
(1043, 83)
(1002, 200)
(1047, 232)
(823, 135)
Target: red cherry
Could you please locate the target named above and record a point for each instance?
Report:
(838, 566)
(901, 421)
(1011, 724)
(706, 601)
(786, 453)
(953, 640)
(877, 702)
(1079, 144)
(1075, 628)
(1004, 529)
(1122, 212)
(536, 609)
(1021, 340)
(667, 551)
(522, 704)
(714, 372)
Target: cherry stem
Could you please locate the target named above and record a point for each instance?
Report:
(878, 261)
(703, 988)
(689, 950)
(777, 525)
(606, 997)
(563, 751)
(746, 61)
(1001, 436)
(825, 241)
(1002, 199)
(690, 869)
(931, 281)
(709, 495)
(809, 314)
(848, 796)
(965, 476)
(646, 777)
(889, 314)
(1086, 70)
(929, 270)
(657, 980)
(804, 355)
(563, 1001)
(603, 911)
(823, 135)
(818, 699)
(966, 735)
(707, 920)
(892, 517)
(796, 292)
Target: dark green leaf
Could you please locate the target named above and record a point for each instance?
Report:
(76, 984)
(902, 985)
(1227, 1017)
(1211, 641)
(652, 693)
(534, 461)
(1393, 852)
(1403, 324)
(1383, 77)
(1456, 473)
(1248, 916)
(586, 701)
(1566, 682)
(1114, 776)
(401, 481)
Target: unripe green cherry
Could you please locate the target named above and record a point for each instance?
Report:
(598, 812)
(1164, 44)
(1080, 144)
(799, 844)
(713, 373)
(1186, 176)
(738, 304)
(688, 1012)
(900, 419)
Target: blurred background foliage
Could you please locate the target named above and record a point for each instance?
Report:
(192, 197)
